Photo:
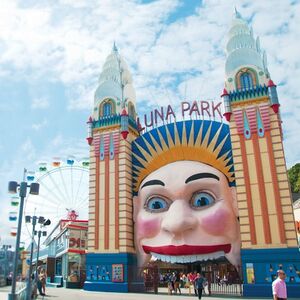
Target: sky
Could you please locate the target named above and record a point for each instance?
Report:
(52, 52)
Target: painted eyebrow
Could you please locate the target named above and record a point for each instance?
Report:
(201, 176)
(153, 182)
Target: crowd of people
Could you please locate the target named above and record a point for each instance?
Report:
(178, 280)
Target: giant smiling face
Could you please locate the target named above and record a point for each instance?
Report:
(185, 212)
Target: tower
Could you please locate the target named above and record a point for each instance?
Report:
(268, 236)
(111, 127)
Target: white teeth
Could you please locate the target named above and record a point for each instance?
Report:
(187, 258)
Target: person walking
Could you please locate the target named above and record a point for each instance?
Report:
(279, 286)
(40, 280)
(193, 277)
(169, 283)
(43, 277)
(177, 283)
(199, 284)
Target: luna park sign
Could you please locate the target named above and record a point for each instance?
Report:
(195, 109)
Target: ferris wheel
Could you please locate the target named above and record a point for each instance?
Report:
(63, 194)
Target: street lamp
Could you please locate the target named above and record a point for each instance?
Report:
(13, 187)
(34, 220)
(39, 234)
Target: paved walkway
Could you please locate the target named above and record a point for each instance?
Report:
(73, 294)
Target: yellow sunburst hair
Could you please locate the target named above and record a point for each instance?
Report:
(204, 141)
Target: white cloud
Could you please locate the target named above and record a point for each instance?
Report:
(28, 149)
(68, 41)
(40, 103)
(39, 126)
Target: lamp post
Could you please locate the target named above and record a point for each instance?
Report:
(34, 220)
(39, 234)
(13, 186)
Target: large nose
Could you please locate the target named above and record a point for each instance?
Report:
(179, 218)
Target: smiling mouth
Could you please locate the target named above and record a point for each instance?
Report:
(187, 253)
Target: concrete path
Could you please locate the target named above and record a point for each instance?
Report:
(73, 294)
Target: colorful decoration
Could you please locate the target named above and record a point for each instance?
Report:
(56, 162)
(70, 160)
(13, 231)
(111, 147)
(247, 130)
(42, 167)
(85, 162)
(225, 97)
(89, 126)
(30, 176)
(124, 124)
(102, 148)
(13, 216)
(72, 215)
(205, 141)
(273, 96)
(15, 201)
(260, 126)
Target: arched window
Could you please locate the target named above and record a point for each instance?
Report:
(246, 81)
(107, 109)
(131, 110)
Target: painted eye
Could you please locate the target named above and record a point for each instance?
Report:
(202, 199)
(156, 204)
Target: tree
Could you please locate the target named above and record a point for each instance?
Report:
(294, 178)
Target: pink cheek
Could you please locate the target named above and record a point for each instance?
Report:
(218, 222)
(147, 227)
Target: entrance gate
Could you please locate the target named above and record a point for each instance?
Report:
(222, 278)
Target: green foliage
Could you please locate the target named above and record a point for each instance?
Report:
(294, 178)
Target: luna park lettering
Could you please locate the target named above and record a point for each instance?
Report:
(205, 109)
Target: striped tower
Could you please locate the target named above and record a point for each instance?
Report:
(111, 128)
(268, 236)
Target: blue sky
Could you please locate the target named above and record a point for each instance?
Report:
(52, 53)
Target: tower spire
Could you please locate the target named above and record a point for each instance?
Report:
(236, 14)
(114, 49)
(243, 51)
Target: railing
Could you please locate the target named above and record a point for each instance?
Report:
(226, 289)
(112, 120)
(21, 290)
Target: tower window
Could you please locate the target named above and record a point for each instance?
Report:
(246, 81)
(131, 110)
(107, 109)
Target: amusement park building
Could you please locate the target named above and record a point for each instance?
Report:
(244, 160)
(63, 258)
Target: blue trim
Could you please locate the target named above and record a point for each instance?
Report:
(247, 130)
(265, 263)
(246, 81)
(112, 120)
(107, 109)
(260, 125)
(240, 95)
(99, 273)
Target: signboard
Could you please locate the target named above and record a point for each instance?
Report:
(250, 273)
(117, 273)
(187, 110)
(77, 239)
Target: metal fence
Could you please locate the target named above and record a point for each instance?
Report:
(235, 289)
